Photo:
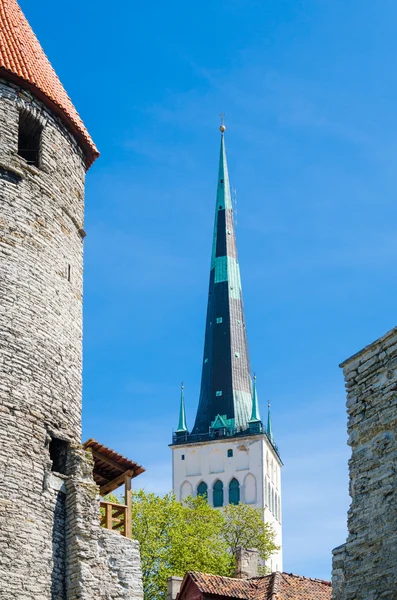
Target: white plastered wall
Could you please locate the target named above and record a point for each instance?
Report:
(254, 464)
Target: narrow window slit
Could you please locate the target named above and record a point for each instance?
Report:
(29, 138)
(59, 455)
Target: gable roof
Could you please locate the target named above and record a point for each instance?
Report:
(23, 61)
(277, 586)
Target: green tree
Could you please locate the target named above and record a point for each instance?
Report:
(192, 536)
(175, 538)
(244, 526)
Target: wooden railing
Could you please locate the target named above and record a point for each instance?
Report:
(116, 517)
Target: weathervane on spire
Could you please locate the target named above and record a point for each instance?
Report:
(222, 128)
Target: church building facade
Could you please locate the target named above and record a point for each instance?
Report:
(230, 455)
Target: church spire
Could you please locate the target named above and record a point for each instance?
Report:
(182, 427)
(226, 382)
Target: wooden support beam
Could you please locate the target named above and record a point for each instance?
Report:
(114, 504)
(128, 503)
(109, 516)
(107, 460)
(115, 483)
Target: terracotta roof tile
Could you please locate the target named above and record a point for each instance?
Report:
(23, 61)
(244, 589)
(286, 586)
(277, 586)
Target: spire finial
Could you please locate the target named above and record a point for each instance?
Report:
(222, 128)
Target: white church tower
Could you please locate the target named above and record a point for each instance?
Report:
(229, 456)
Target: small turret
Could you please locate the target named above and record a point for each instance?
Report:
(269, 430)
(182, 427)
(255, 423)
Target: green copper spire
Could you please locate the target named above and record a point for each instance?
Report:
(226, 386)
(182, 428)
(255, 415)
(269, 424)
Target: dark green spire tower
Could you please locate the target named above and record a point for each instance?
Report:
(226, 394)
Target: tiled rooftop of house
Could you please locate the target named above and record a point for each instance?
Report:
(23, 61)
(277, 586)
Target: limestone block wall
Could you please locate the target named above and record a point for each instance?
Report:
(51, 544)
(41, 262)
(365, 567)
(100, 564)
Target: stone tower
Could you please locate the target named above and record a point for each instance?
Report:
(229, 456)
(364, 568)
(51, 543)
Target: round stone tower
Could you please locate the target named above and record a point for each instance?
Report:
(44, 154)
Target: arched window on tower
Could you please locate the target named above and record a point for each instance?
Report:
(218, 493)
(186, 490)
(234, 491)
(202, 490)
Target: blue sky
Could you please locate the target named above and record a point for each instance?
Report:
(309, 93)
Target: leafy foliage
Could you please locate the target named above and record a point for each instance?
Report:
(192, 536)
(244, 526)
(175, 538)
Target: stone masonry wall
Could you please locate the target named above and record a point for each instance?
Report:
(100, 564)
(365, 567)
(51, 544)
(41, 211)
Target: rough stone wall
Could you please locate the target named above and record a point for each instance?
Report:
(365, 567)
(41, 210)
(47, 551)
(100, 564)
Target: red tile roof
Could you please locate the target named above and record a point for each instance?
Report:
(230, 587)
(277, 586)
(22, 60)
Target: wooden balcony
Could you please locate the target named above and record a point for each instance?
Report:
(111, 470)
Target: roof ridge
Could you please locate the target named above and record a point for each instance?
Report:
(324, 581)
(273, 588)
(248, 579)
